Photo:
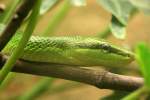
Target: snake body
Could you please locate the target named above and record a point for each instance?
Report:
(71, 51)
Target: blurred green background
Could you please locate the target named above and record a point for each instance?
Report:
(86, 21)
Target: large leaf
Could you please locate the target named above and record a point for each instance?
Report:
(121, 9)
(143, 57)
(46, 5)
(78, 2)
(142, 4)
(117, 28)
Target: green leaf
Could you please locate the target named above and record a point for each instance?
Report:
(143, 57)
(46, 5)
(139, 94)
(78, 2)
(6, 16)
(142, 4)
(117, 28)
(121, 9)
(22, 43)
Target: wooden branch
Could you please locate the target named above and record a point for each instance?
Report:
(15, 23)
(99, 78)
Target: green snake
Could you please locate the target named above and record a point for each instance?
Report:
(83, 51)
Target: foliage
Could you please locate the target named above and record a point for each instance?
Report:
(16, 54)
(6, 16)
(143, 5)
(143, 57)
(121, 11)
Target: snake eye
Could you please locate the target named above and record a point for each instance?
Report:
(106, 47)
